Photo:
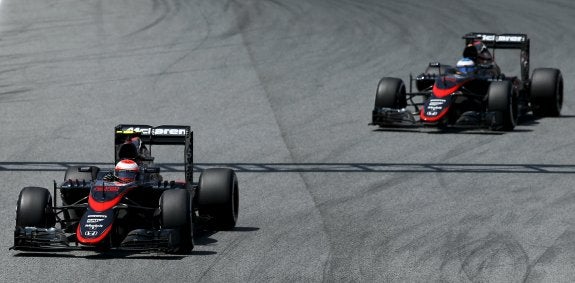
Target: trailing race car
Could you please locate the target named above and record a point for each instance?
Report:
(475, 93)
(130, 206)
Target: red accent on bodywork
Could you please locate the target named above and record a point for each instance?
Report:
(91, 241)
(457, 82)
(100, 206)
(440, 93)
(105, 205)
(425, 118)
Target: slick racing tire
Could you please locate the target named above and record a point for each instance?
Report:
(502, 106)
(34, 208)
(175, 209)
(218, 198)
(390, 94)
(546, 92)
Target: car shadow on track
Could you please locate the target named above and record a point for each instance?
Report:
(524, 121)
(203, 237)
(450, 130)
(114, 255)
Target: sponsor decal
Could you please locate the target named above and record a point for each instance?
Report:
(93, 226)
(132, 130)
(170, 132)
(106, 188)
(510, 38)
(435, 102)
(154, 131)
(97, 216)
(434, 106)
(91, 233)
(502, 38)
(94, 220)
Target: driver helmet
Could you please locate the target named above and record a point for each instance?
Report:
(126, 170)
(465, 66)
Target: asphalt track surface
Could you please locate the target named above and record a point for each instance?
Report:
(282, 92)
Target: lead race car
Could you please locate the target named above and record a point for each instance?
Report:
(451, 97)
(129, 207)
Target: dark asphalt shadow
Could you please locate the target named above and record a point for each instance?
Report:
(527, 120)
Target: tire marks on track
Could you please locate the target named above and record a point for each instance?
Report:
(322, 167)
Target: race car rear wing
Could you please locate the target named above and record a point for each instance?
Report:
(500, 41)
(160, 135)
(505, 41)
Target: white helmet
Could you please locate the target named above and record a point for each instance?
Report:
(465, 65)
(126, 170)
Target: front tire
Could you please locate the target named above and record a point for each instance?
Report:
(390, 94)
(546, 92)
(34, 208)
(175, 207)
(218, 198)
(501, 104)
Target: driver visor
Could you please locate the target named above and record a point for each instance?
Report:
(126, 174)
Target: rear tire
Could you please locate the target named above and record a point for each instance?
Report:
(546, 92)
(34, 208)
(175, 207)
(501, 103)
(390, 94)
(218, 198)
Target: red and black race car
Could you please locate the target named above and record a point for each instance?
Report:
(463, 97)
(132, 209)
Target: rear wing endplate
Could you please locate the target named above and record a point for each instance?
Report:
(505, 41)
(159, 135)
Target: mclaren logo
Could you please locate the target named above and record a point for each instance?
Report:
(502, 38)
(170, 132)
(154, 131)
(510, 38)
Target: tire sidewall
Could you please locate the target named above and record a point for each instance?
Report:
(391, 93)
(501, 104)
(546, 92)
(34, 208)
(218, 198)
(175, 213)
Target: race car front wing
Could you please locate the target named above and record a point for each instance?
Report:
(27, 238)
(392, 117)
(55, 239)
